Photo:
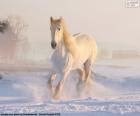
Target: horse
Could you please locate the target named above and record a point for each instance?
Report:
(72, 52)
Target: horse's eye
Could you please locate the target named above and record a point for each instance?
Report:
(58, 28)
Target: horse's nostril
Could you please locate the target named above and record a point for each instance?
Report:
(53, 44)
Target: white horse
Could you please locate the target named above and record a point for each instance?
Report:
(71, 52)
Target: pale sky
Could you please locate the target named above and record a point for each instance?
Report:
(108, 20)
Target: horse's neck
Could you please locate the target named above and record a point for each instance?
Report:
(61, 49)
(66, 35)
(69, 41)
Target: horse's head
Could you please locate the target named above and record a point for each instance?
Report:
(56, 31)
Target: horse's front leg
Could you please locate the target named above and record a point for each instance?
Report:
(65, 72)
(51, 77)
(60, 86)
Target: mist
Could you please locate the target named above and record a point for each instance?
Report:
(110, 22)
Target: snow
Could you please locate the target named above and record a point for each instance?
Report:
(115, 90)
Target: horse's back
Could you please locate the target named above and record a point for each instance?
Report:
(82, 37)
(85, 40)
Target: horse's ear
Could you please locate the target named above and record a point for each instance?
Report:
(61, 18)
(51, 19)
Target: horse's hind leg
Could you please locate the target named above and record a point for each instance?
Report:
(81, 82)
(81, 72)
(81, 79)
(87, 68)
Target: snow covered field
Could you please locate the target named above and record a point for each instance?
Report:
(115, 91)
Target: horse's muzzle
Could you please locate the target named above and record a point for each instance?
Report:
(53, 44)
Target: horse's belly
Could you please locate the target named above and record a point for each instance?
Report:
(80, 59)
(83, 54)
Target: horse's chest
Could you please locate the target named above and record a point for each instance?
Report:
(58, 61)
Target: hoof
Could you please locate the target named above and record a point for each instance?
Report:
(84, 85)
(53, 77)
(89, 82)
(56, 96)
(80, 86)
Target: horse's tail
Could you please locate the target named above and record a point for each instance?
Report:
(94, 52)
